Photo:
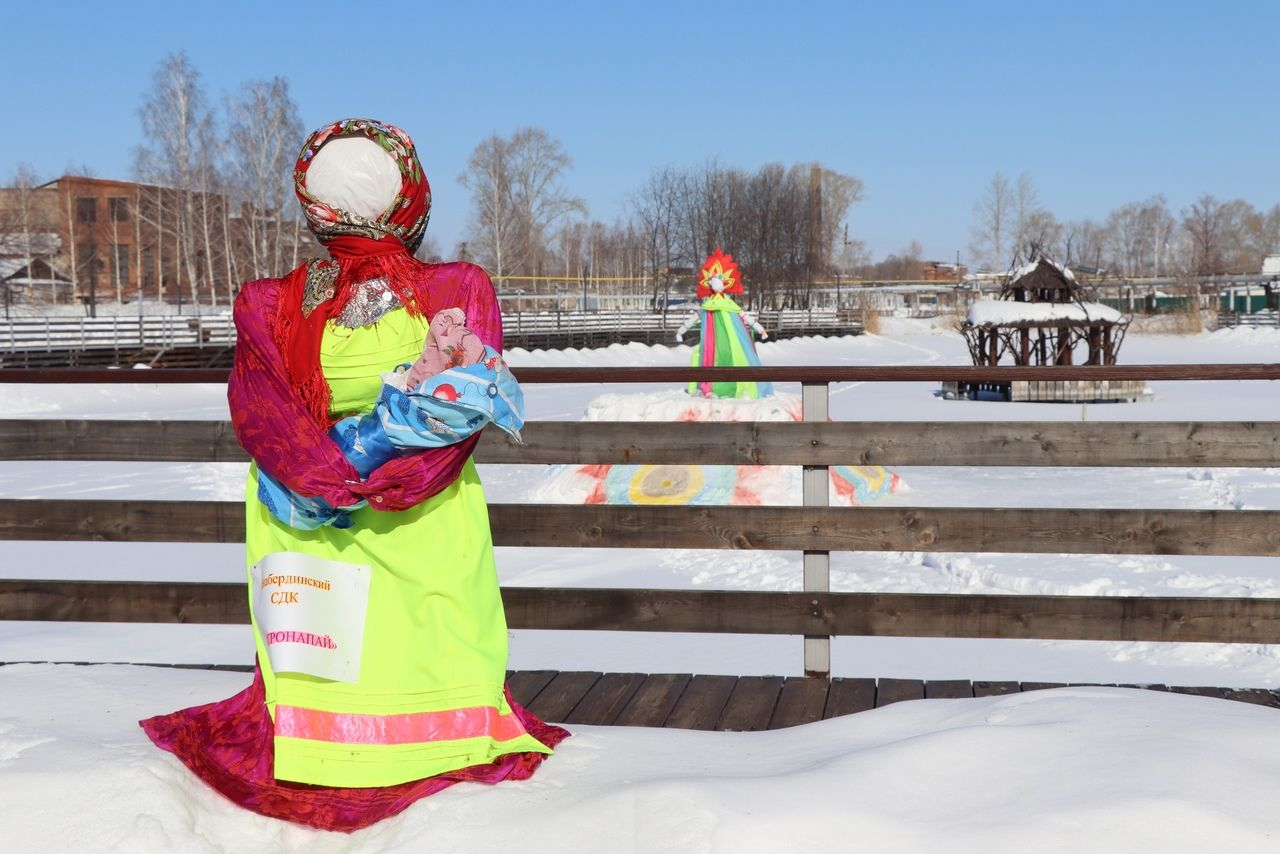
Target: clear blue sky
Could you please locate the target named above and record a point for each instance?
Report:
(1102, 103)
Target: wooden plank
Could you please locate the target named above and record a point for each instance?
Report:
(123, 521)
(1201, 619)
(1200, 691)
(606, 699)
(918, 529)
(993, 689)
(1093, 443)
(77, 376)
(133, 440)
(128, 602)
(653, 701)
(947, 689)
(1258, 696)
(889, 691)
(1207, 619)
(933, 529)
(821, 373)
(750, 707)
(801, 701)
(555, 702)
(701, 702)
(526, 684)
(1041, 686)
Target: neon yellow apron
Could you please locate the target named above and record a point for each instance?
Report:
(429, 698)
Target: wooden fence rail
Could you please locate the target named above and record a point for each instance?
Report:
(815, 530)
(919, 529)
(822, 375)
(889, 443)
(1113, 618)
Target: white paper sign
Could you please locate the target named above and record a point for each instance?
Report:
(311, 613)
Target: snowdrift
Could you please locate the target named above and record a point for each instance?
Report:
(1073, 769)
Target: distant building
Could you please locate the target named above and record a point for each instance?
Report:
(941, 271)
(104, 240)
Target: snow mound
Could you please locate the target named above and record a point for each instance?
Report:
(676, 405)
(1073, 769)
(702, 484)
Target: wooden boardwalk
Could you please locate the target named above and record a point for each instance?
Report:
(750, 703)
(741, 703)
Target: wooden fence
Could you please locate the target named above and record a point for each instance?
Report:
(814, 529)
(33, 342)
(1229, 319)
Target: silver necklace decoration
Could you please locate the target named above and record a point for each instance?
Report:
(369, 302)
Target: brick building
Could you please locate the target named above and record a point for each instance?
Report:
(941, 271)
(117, 241)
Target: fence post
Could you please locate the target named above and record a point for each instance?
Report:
(817, 564)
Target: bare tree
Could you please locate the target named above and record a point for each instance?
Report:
(180, 153)
(993, 224)
(655, 206)
(1030, 219)
(1244, 241)
(1203, 224)
(515, 187)
(488, 179)
(1126, 239)
(19, 219)
(264, 132)
(784, 225)
(840, 192)
(1158, 226)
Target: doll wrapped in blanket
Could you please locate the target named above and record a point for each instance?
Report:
(456, 387)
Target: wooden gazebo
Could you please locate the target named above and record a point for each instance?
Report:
(1044, 316)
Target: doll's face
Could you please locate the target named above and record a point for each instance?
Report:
(716, 283)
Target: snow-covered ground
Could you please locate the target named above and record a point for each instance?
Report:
(1069, 770)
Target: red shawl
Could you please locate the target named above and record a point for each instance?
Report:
(289, 440)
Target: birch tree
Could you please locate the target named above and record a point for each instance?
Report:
(179, 152)
(515, 186)
(264, 132)
(993, 215)
(19, 220)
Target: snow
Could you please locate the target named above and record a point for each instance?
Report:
(43, 243)
(1030, 267)
(999, 311)
(1073, 769)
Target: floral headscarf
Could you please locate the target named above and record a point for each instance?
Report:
(405, 219)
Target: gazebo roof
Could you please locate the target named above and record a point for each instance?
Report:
(1042, 266)
(1003, 312)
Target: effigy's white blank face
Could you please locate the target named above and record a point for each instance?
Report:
(354, 174)
(717, 284)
